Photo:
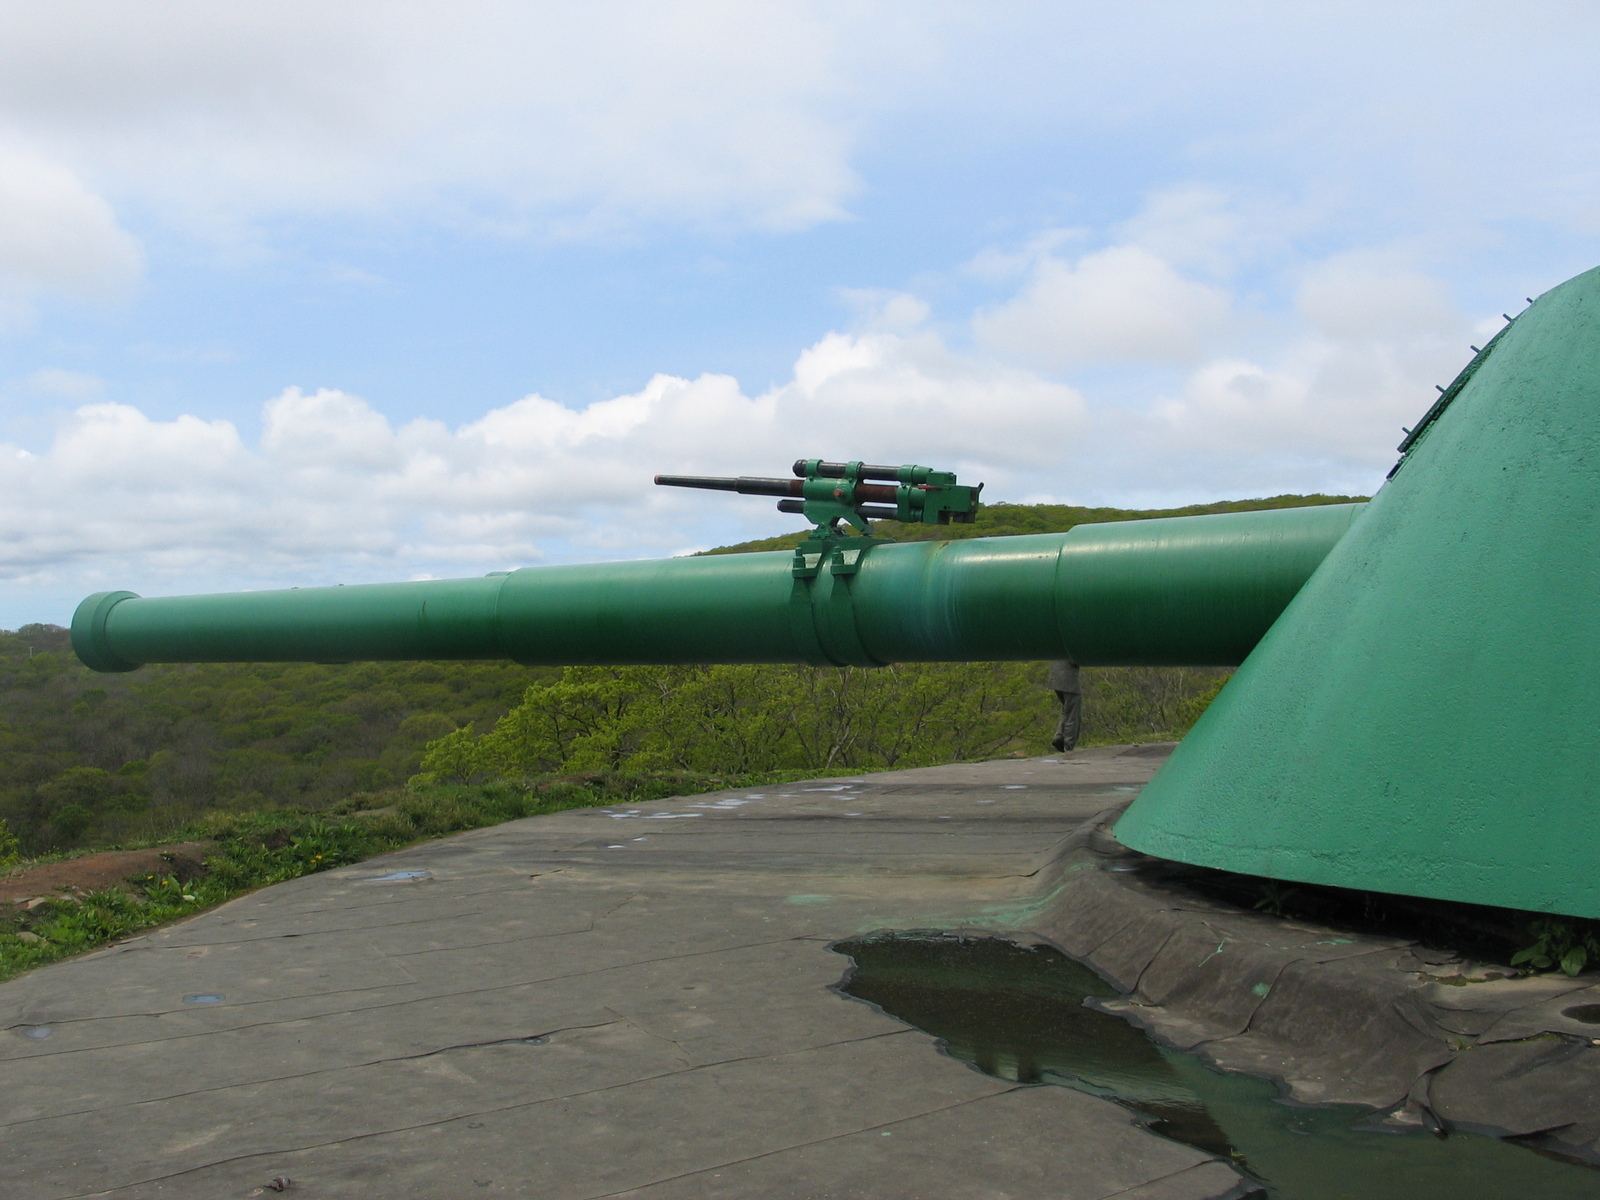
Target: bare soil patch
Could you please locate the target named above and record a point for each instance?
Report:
(106, 869)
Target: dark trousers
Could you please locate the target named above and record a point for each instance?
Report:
(1071, 720)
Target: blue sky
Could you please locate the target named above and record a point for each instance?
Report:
(297, 293)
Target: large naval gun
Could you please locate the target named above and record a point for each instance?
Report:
(1416, 707)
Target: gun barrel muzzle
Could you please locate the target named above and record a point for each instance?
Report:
(745, 485)
(748, 485)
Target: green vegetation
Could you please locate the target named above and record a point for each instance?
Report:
(252, 849)
(1005, 520)
(1567, 944)
(90, 759)
(786, 718)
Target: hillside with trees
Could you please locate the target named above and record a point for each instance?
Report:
(89, 759)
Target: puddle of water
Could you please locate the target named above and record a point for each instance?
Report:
(37, 1032)
(397, 877)
(1589, 1014)
(1018, 1013)
(203, 998)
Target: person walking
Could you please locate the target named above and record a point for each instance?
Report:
(1064, 683)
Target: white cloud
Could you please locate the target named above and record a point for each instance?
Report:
(1324, 408)
(1121, 304)
(570, 116)
(606, 117)
(567, 116)
(121, 499)
(334, 490)
(58, 236)
(1370, 295)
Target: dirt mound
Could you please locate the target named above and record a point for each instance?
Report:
(107, 869)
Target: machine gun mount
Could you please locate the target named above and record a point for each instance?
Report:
(828, 493)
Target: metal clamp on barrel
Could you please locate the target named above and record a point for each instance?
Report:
(834, 497)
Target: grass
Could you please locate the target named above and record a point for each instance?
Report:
(254, 849)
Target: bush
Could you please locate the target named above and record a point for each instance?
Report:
(742, 719)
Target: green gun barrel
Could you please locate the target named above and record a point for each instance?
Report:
(1174, 591)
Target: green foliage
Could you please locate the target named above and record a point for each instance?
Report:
(253, 849)
(10, 847)
(1276, 899)
(1004, 520)
(91, 759)
(1559, 942)
(741, 719)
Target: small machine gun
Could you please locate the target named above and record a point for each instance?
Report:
(827, 493)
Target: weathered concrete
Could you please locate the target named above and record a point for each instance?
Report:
(1335, 1016)
(626, 1002)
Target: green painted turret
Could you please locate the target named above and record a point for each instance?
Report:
(1425, 716)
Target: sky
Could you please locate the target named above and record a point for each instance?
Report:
(297, 294)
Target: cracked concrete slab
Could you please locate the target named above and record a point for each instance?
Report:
(633, 1001)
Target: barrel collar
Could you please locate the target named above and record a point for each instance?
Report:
(89, 638)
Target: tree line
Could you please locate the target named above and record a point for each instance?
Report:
(769, 718)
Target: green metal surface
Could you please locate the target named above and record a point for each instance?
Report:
(1422, 719)
(1182, 590)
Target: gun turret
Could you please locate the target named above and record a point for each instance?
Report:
(826, 493)
(1359, 746)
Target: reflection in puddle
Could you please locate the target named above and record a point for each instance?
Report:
(1017, 1013)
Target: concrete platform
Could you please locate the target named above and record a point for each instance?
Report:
(601, 1003)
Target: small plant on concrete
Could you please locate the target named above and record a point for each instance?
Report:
(1275, 899)
(1570, 945)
